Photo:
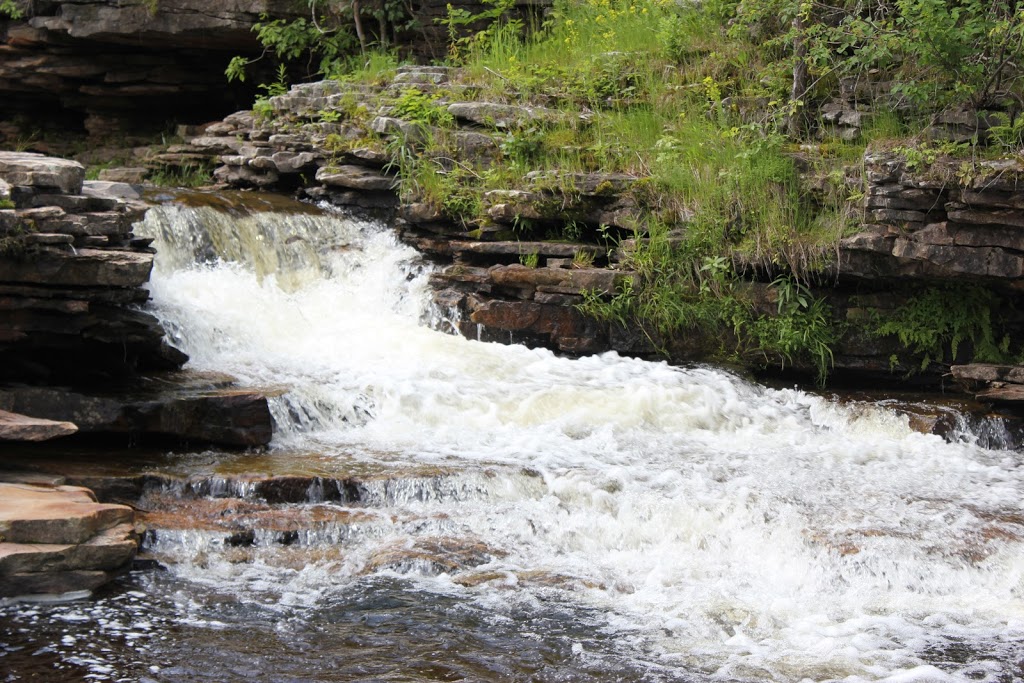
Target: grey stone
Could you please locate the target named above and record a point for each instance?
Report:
(43, 172)
(355, 177)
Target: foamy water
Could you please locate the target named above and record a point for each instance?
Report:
(739, 532)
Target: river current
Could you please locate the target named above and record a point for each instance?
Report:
(542, 518)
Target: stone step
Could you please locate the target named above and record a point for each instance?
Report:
(61, 515)
(16, 427)
(106, 551)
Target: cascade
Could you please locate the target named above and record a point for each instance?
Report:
(496, 512)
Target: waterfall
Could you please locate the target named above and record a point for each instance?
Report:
(744, 533)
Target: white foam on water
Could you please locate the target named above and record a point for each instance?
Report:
(750, 533)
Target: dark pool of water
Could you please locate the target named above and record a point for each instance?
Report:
(152, 627)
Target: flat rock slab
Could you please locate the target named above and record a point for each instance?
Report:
(203, 411)
(38, 170)
(106, 551)
(81, 268)
(988, 372)
(355, 178)
(15, 427)
(1013, 393)
(59, 515)
(53, 583)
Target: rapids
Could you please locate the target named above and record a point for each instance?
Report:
(623, 519)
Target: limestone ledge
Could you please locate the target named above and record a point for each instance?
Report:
(57, 539)
(72, 275)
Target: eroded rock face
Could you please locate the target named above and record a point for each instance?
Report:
(934, 226)
(71, 277)
(108, 68)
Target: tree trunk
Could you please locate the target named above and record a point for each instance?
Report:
(359, 26)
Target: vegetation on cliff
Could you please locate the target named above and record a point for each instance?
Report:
(743, 124)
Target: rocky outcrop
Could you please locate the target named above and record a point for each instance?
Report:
(111, 68)
(342, 143)
(941, 223)
(72, 277)
(106, 67)
(990, 382)
(58, 539)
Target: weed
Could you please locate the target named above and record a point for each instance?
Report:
(530, 260)
(937, 321)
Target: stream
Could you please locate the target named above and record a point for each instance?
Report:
(485, 512)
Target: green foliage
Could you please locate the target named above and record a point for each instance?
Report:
(678, 293)
(323, 43)
(936, 52)
(328, 115)
(419, 107)
(920, 157)
(802, 328)
(530, 260)
(1007, 133)
(192, 175)
(6, 204)
(10, 9)
(500, 29)
(583, 259)
(937, 321)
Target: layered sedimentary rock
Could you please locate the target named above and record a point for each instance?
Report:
(72, 277)
(939, 223)
(58, 539)
(72, 296)
(106, 67)
(16, 427)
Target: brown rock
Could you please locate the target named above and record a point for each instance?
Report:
(84, 268)
(107, 550)
(15, 427)
(61, 515)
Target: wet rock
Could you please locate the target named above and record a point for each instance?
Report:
(233, 417)
(437, 555)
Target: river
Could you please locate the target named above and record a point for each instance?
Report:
(526, 517)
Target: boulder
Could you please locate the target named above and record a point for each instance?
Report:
(41, 172)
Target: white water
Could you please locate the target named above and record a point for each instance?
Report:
(747, 533)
